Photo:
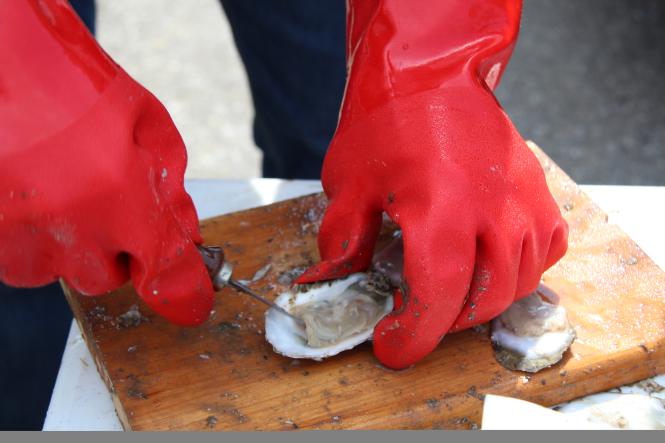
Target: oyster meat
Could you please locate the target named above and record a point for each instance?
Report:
(338, 316)
(533, 333)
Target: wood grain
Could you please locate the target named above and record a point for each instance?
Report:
(223, 375)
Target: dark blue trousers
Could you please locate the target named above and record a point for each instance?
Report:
(293, 51)
(294, 55)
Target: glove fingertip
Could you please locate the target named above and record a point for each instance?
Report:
(396, 344)
(390, 347)
(182, 293)
(333, 269)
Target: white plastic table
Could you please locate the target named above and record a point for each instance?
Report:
(80, 400)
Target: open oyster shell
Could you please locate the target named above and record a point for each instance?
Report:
(339, 315)
(533, 333)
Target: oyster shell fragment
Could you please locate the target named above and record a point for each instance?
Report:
(338, 316)
(533, 333)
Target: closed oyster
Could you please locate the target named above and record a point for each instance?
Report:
(533, 333)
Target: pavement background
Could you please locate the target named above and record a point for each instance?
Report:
(183, 52)
(585, 82)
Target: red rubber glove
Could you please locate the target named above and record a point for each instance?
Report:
(91, 171)
(422, 137)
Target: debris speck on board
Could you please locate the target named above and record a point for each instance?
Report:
(211, 421)
(131, 318)
(433, 403)
(262, 272)
(136, 393)
(98, 313)
(226, 326)
(288, 277)
(473, 392)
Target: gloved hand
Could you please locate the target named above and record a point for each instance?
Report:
(91, 171)
(422, 137)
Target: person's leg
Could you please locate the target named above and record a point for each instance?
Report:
(33, 330)
(34, 324)
(87, 10)
(294, 54)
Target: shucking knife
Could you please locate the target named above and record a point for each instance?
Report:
(221, 272)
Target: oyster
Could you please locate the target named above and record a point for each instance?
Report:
(533, 333)
(338, 315)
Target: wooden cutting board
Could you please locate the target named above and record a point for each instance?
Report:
(223, 375)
